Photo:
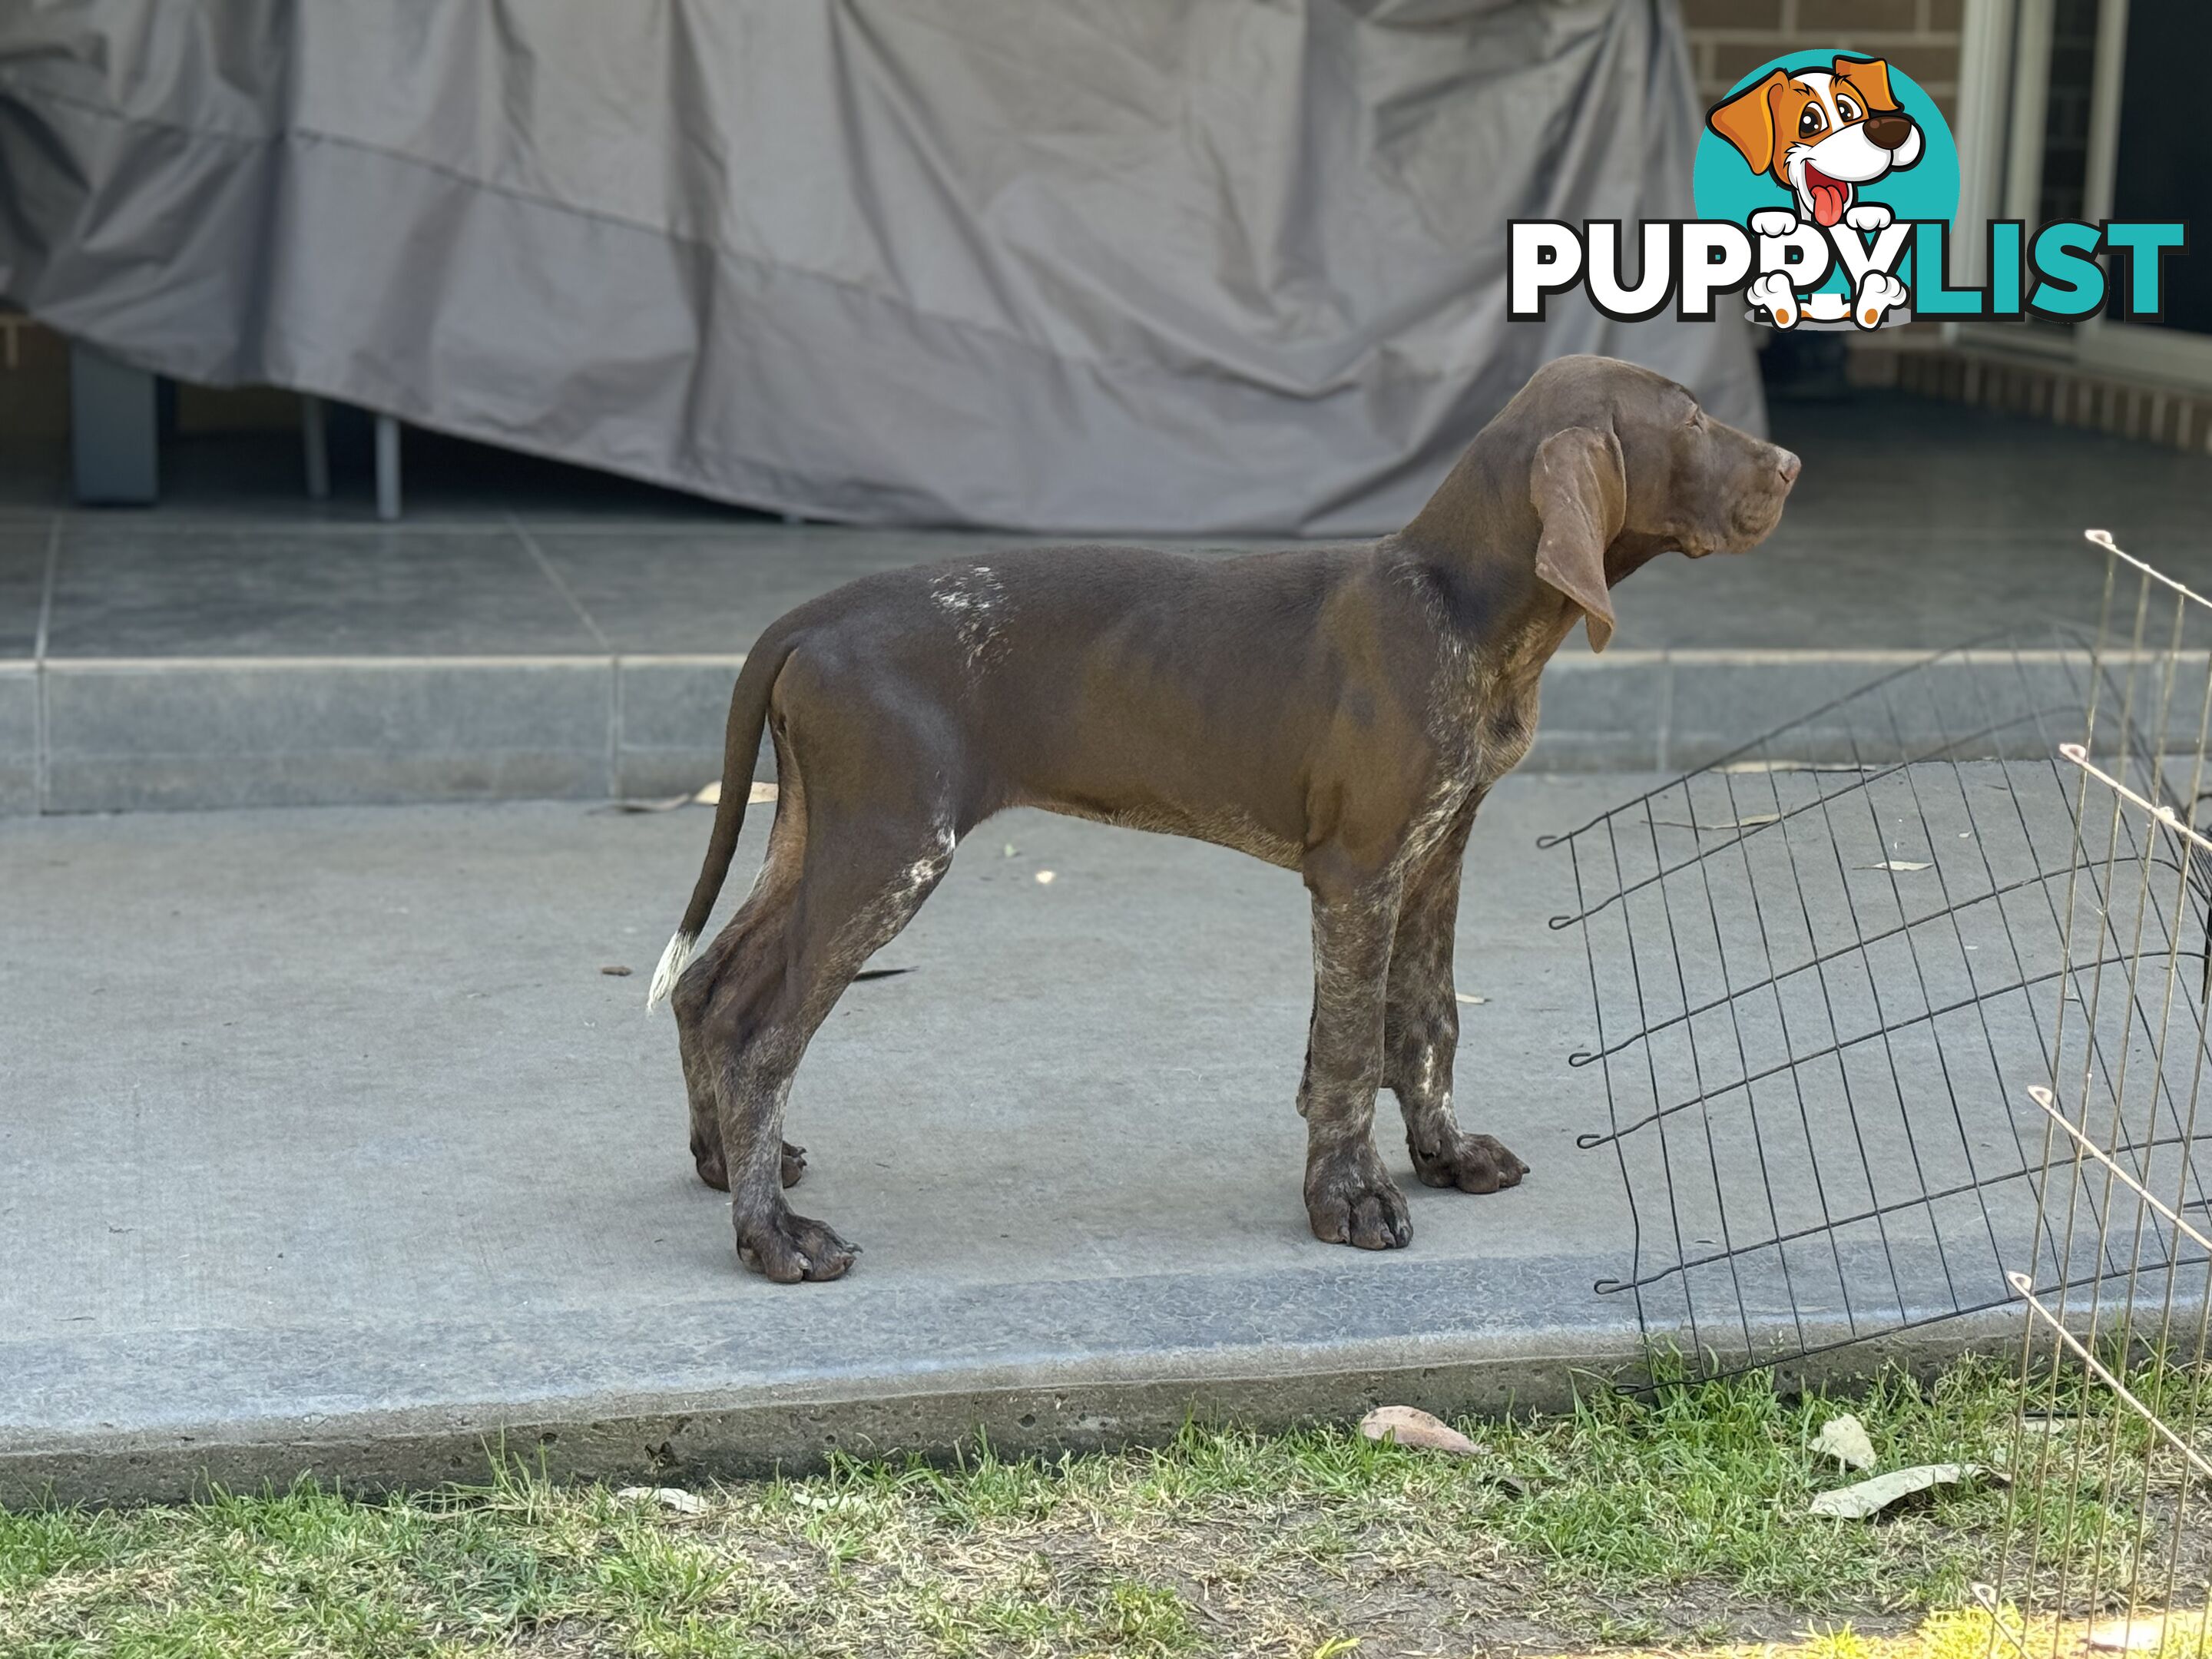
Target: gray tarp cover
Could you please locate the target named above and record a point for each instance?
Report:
(1105, 265)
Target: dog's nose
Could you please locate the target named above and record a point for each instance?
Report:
(1787, 467)
(1888, 131)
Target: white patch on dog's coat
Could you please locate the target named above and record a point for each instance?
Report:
(970, 597)
(673, 961)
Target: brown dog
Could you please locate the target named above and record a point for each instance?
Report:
(1337, 711)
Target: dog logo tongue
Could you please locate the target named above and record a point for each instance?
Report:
(1829, 196)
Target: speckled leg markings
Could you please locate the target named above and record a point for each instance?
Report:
(1350, 1199)
(1421, 1033)
(865, 880)
(744, 932)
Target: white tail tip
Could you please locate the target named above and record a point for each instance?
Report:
(673, 961)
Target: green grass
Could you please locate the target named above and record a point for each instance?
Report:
(1680, 1519)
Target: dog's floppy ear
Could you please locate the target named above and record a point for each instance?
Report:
(1747, 121)
(1869, 76)
(1580, 487)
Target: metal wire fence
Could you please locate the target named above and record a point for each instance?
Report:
(2105, 1519)
(1829, 968)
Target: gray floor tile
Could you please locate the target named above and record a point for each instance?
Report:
(1916, 526)
(19, 740)
(22, 582)
(125, 590)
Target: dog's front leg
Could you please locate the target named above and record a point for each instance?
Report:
(1420, 1037)
(1350, 1199)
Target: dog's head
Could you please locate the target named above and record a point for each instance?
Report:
(1620, 464)
(1820, 133)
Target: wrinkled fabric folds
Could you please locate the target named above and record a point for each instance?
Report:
(1184, 269)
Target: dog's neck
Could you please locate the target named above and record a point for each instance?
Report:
(1631, 551)
(1480, 531)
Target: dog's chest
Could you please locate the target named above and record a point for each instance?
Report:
(1490, 721)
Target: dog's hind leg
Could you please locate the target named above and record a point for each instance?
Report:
(1420, 1038)
(1350, 1199)
(866, 874)
(754, 931)
(757, 928)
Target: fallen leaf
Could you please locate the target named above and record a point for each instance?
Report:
(615, 970)
(709, 796)
(1044, 877)
(2127, 1636)
(1409, 1425)
(1845, 1439)
(1870, 1498)
(1463, 996)
(1009, 850)
(1896, 864)
(669, 1497)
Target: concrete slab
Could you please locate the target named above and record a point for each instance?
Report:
(333, 1148)
(19, 738)
(187, 591)
(143, 734)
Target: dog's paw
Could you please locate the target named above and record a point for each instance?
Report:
(788, 1247)
(1473, 1163)
(1878, 294)
(794, 1163)
(1773, 221)
(1868, 216)
(1350, 1199)
(1774, 294)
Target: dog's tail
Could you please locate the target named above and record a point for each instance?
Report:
(740, 743)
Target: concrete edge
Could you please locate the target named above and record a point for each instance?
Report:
(122, 733)
(1087, 1407)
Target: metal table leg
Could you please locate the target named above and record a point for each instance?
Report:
(388, 467)
(315, 436)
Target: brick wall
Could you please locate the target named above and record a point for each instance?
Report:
(1728, 38)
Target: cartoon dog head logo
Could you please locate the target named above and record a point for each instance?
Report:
(1826, 192)
(1821, 134)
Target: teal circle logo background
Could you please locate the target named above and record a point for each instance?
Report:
(1723, 186)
